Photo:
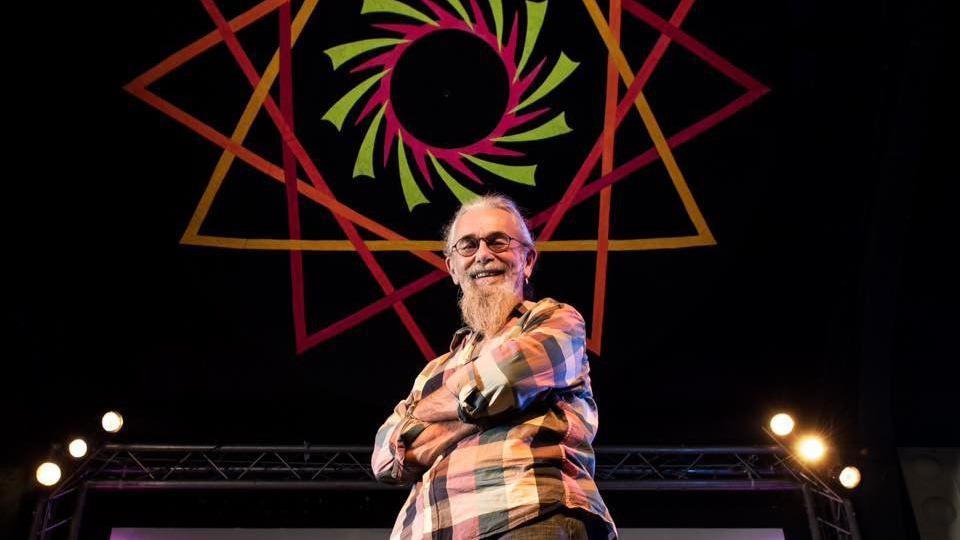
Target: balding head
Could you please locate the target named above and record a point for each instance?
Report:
(490, 201)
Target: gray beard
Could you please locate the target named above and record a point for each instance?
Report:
(486, 310)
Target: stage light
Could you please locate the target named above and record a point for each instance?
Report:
(112, 422)
(48, 473)
(78, 448)
(849, 477)
(811, 448)
(782, 424)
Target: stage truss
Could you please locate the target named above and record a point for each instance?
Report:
(142, 467)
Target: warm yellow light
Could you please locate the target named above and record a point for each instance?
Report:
(782, 424)
(850, 477)
(811, 448)
(78, 448)
(112, 422)
(48, 473)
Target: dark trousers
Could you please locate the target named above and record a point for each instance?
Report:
(562, 525)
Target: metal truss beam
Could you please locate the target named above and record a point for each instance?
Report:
(149, 467)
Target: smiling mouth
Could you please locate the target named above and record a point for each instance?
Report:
(486, 274)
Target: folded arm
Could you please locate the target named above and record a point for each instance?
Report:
(416, 434)
(547, 354)
(433, 440)
(388, 450)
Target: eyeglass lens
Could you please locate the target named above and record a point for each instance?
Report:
(496, 242)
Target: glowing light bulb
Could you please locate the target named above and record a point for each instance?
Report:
(782, 424)
(850, 477)
(78, 448)
(48, 473)
(811, 448)
(112, 422)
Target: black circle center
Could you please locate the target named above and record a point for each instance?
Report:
(449, 89)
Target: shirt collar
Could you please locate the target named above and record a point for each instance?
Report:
(458, 338)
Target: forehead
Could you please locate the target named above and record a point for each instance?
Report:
(483, 221)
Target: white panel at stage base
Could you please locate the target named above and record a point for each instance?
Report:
(380, 534)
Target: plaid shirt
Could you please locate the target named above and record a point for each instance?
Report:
(528, 389)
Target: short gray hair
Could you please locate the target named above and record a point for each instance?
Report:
(494, 201)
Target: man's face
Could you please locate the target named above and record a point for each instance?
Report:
(486, 270)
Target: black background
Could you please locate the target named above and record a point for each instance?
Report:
(831, 292)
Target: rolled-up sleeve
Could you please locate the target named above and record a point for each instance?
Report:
(548, 353)
(390, 446)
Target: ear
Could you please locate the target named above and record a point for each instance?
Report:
(530, 261)
(452, 269)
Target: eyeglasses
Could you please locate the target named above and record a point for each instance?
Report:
(497, 242)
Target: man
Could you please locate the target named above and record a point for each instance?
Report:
(496, 434)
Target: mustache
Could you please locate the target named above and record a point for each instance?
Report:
(478, 268)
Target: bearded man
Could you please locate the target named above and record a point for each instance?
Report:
(495, 436)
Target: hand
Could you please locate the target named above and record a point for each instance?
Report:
(440, 406)
(434, 440)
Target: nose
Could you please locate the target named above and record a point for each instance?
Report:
(483, 253)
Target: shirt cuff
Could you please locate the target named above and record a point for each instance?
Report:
(408, 430)
(463, 385)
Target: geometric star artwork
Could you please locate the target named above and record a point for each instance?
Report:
(493, 143)
(316, 189)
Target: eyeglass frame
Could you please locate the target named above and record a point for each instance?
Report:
(485, 239)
